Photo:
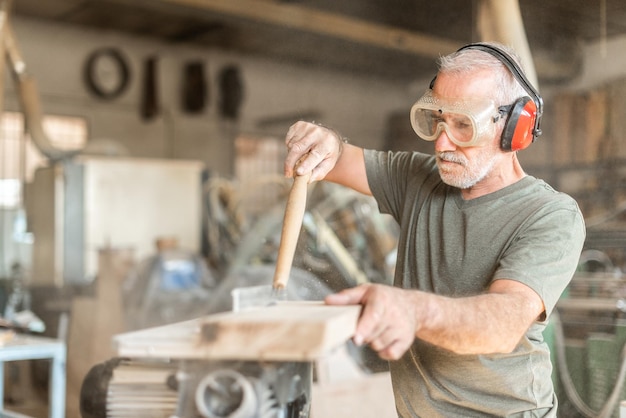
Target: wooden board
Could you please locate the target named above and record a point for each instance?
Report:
(287, 331)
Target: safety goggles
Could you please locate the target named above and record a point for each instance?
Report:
(467, 123)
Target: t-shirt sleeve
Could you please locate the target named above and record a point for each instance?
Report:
(544, 255)
(394, 177)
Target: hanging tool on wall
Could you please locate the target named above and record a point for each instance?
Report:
(231, 92)
(195, 89)
(150, 93)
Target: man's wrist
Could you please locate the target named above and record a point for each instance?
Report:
(341, 138)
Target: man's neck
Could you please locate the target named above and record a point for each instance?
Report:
(504, 174)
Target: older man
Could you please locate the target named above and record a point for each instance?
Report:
(485, 250)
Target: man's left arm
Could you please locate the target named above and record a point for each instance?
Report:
(392, 318)
(525, 289)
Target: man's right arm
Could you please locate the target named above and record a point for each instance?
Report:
(321, 151)
(350, 170)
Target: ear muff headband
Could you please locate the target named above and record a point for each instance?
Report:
(523, 124)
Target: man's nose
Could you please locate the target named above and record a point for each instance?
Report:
(443, 142)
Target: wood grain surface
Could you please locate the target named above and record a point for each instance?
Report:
(286, 331)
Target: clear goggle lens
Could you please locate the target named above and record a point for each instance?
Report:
(466, 122)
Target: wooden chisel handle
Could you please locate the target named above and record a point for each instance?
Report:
(292, 223)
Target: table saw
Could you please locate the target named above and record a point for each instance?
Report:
(256, 363)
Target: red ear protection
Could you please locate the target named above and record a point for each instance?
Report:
(520, 125)
(524, 118)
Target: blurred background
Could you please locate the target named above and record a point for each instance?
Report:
(152, 132)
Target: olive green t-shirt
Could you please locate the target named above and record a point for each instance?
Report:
(449, 246)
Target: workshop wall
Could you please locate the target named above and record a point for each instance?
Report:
(371, 112)
(588, 158)
(56, 55)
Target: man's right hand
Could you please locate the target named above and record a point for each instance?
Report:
(311, 148)
(322, 152)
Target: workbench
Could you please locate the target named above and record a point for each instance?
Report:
(27, 347)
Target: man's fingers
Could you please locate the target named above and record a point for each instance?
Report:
(383, 322)
(352, 296)
(394, 351)
(371, 324)
(311, 149)
(297, 149)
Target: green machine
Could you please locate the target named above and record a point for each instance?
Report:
(587, 338)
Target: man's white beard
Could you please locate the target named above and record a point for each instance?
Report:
(472, 172)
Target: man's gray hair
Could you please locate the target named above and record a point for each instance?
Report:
(508, 89)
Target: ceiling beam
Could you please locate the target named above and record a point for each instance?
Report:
(501, 20)
(302, 18)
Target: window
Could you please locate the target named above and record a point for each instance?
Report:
(19, 157)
